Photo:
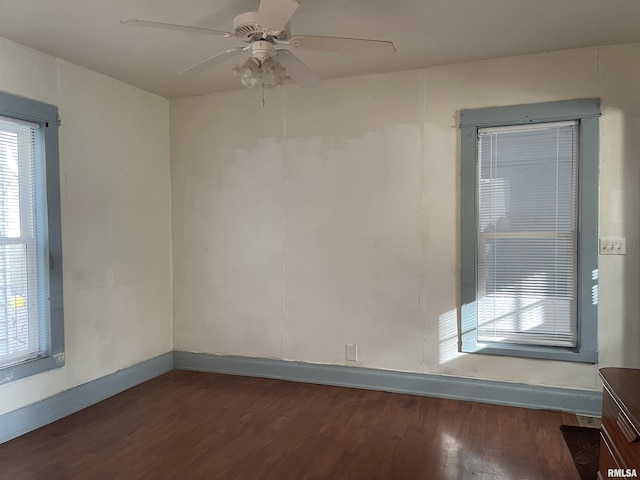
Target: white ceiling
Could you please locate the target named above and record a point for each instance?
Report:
(425, 33)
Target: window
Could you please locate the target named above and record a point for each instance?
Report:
(31, 316)
(529, 237)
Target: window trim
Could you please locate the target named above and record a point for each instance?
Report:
(587, 112)
(47, 117)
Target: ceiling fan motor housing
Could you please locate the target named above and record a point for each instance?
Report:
(262, 49)
(247, 29)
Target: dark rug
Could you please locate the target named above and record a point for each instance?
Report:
(584, 445)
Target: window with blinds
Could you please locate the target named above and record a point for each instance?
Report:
(31, 286)
(22, 243)
(526, 223)
(529, 230)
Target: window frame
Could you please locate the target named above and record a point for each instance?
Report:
(46, 116)
(587, 113)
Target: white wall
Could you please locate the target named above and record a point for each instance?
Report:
(116, 234)
(330, 216)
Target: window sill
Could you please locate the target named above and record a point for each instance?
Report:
(30, 367)
(533, 351)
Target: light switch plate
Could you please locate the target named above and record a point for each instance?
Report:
(613, 246)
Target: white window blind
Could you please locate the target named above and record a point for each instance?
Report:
(526, 216)
(21, 244)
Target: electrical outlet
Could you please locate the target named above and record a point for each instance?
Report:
(613, 246)
(351, 352)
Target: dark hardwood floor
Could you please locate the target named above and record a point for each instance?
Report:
(192, 425)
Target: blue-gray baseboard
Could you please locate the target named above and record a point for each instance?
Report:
(585, 402)
(26, 419)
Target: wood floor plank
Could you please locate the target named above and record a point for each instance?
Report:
(194, 425)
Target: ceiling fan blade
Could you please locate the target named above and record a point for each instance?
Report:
(275, 14)
(379, 48)
(172, 26)
(298, 71)
(212, 61)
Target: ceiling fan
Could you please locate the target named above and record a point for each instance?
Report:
(266, 31)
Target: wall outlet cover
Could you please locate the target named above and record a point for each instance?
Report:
(351, 352)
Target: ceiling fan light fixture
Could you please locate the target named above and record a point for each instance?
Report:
(266, 74)
(248, 73)
(274, 74)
